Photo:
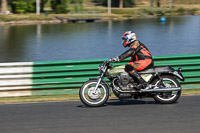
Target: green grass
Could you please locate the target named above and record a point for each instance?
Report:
(19, 17)
(191, 92)
(24, 99)
(67, 97)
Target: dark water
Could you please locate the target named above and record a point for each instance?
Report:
(179, 35)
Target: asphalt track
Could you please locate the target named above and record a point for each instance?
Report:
(129, 116)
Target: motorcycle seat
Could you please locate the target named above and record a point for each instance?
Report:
(161, 69)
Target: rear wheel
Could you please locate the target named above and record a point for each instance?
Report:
(93, 98)
(170, 96)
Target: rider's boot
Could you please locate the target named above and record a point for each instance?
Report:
(142, 83)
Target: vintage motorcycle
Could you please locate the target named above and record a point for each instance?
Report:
(163, 85)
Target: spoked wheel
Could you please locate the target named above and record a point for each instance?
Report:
(91, 97)
(170, 96)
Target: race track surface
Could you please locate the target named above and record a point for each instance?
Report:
(129, 116)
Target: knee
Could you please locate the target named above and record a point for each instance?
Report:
(129, 68)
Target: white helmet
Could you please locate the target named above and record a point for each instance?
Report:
(128, 37)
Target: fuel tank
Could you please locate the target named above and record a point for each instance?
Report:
(116, 70)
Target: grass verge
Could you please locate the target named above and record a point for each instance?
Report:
(66, 97)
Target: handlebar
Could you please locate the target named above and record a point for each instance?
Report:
(110, 61)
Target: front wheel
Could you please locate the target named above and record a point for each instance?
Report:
(170, 96)
(93, 98)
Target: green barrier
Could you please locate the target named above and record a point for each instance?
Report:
(61, 77)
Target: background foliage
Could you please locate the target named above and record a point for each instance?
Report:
(115, 3)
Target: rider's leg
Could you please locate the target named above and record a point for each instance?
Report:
(134, 74)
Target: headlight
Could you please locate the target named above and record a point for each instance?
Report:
(101, 68)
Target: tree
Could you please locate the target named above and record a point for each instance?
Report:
(158, 3)
(170, 3)
(43, 2)
(4, 7)
(60, 6)
(121, 3)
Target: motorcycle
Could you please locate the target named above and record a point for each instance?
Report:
(163, 85)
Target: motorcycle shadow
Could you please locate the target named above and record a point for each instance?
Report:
(126, 102)
(119, 102)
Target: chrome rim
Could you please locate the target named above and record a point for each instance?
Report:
(91, 96)
(167, 83)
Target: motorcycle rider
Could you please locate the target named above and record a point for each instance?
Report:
(141, 58)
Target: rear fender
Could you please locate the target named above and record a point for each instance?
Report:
(178, 74)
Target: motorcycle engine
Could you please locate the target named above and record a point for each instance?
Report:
(125, 81)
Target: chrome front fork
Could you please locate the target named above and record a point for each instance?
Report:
(98, 82)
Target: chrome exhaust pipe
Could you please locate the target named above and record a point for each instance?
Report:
(162, 89)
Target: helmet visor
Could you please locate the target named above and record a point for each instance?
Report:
(124, 43)
(124, 37)
(124, 40)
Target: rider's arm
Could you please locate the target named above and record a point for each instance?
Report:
(127, 54)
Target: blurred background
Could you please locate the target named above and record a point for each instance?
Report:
(34, 33)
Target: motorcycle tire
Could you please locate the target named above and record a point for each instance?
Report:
(91, 98)
(164, 98)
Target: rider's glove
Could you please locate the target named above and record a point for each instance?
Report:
(116, 59)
